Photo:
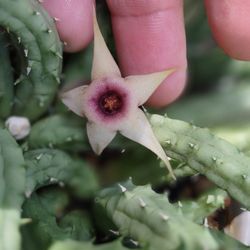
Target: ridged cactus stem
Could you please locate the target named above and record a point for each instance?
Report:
(50, 166)
(12, 184)
(58, 131)
(6, 79)
(76, 245)
(218, 160)
(151, 220)
(35, 32)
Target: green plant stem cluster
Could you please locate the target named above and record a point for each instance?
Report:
(53, 189)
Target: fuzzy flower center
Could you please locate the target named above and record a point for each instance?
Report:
(110, 103)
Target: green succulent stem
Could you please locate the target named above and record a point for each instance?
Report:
(74, 245)
(49, 166)
(58, 131)
(41, 46)
(151, 220)
(220, 161)
(6, 79)
(51, 220)
(12, 186)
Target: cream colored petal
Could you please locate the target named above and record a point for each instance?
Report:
(99, 137)
(240, 228)
(103, 62)
(139, 130)
(143, 86)
(73, 99)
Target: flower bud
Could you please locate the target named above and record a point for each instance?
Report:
(18, 126)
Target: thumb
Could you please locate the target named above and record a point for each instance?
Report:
(73, 21)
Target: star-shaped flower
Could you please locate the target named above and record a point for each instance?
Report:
(111, 103)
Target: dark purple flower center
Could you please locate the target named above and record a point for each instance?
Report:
(111, 103)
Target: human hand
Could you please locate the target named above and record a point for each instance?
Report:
(150, 35)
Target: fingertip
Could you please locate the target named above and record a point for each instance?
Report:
(229, 21)
(150, 37)
(73, 20)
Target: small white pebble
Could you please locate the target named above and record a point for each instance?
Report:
(18, 126)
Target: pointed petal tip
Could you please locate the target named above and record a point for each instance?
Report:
(168, 72)
(139, 130)
(169, 168)
(64, 98)
(96, 149)
(143, 86)
(103, 62)
(73, 99)
(99, 137)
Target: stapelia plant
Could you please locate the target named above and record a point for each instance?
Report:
(51, 188)
(111, 103)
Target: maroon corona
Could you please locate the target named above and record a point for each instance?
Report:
(110, 103)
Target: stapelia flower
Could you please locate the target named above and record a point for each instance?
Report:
(111, 103)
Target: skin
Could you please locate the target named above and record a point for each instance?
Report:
(150, 35)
